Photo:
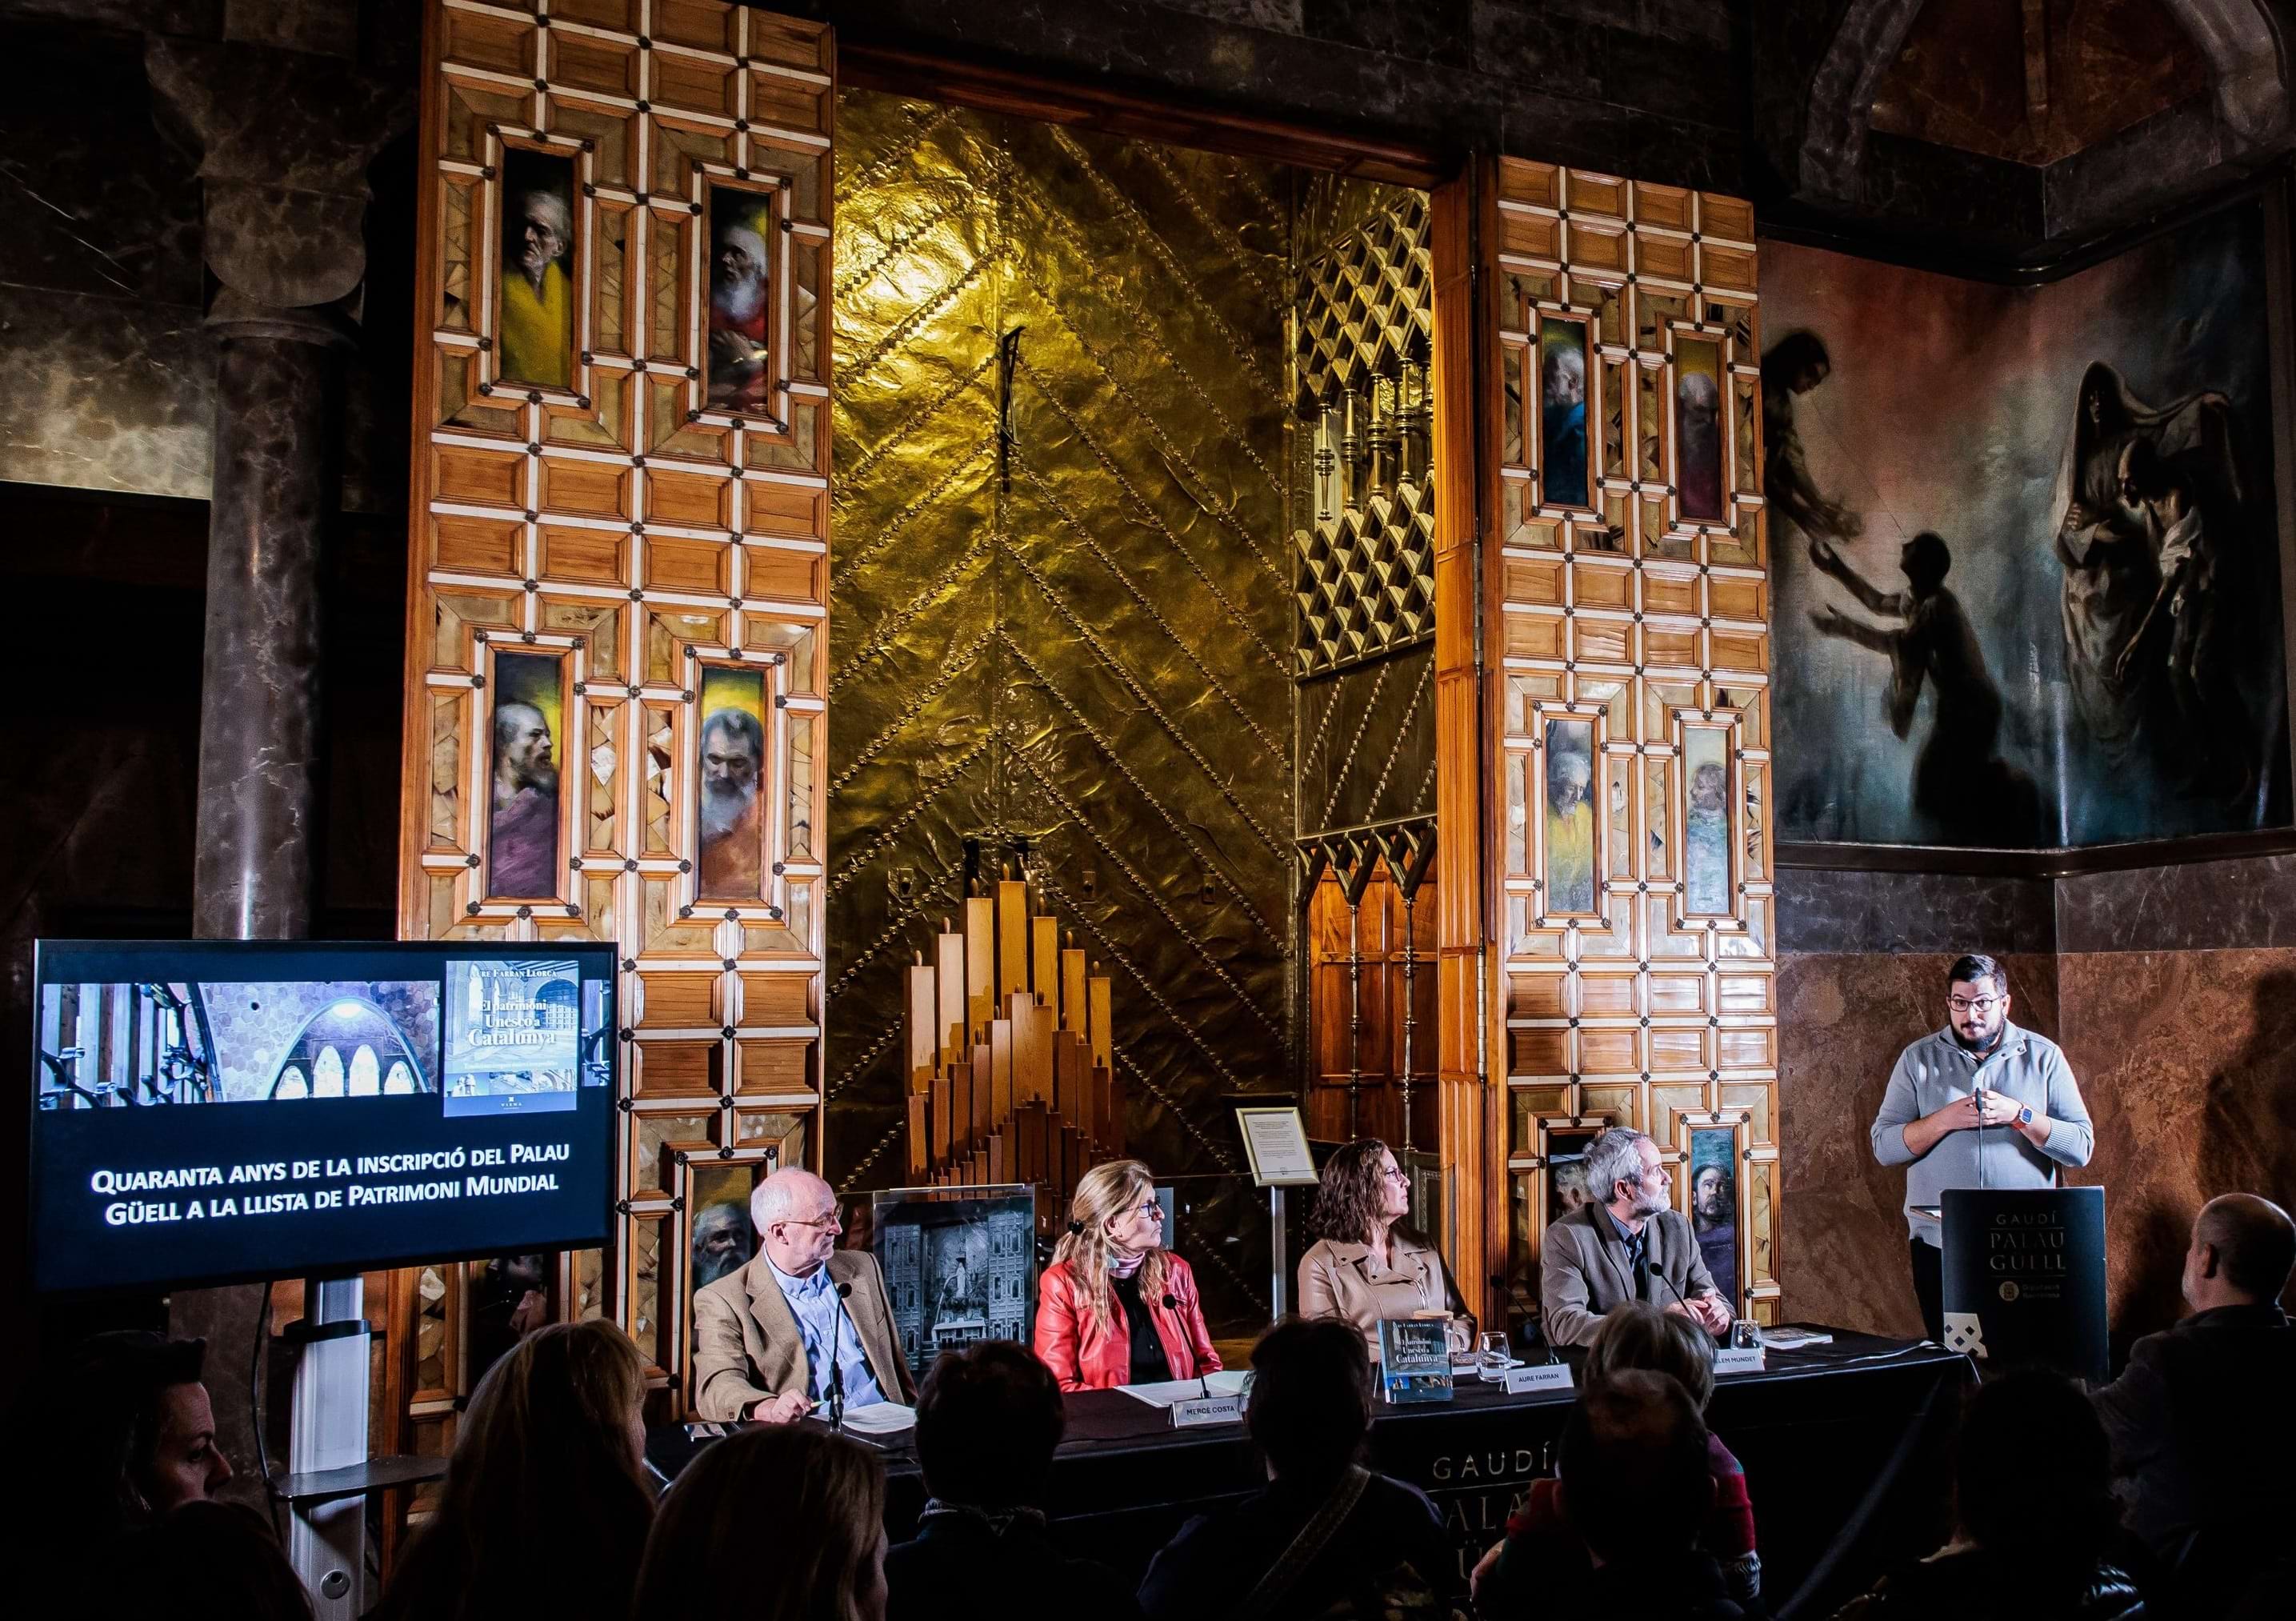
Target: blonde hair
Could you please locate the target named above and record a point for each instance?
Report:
(1106, 1191)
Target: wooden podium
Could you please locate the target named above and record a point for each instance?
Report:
(2024, 1277)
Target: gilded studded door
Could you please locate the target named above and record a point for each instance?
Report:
(617, 614)
(1633, 737)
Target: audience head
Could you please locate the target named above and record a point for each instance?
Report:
(2033, 1462)
(782, 1523)
(1638, 1335)
(987, 1421)
(796, 1215)
(550, 1453)
(207, 1562)
(1636, 1480)
(1627, 1173)
(1310, 1397)
(147, 1444)
(2243, 1249)
(1362, 1192)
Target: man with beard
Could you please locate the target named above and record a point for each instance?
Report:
(1624, 1243)
(1979, 1103)
(1563, 421)
(537, 311)
(1714, 1216)
(738, 310)
(522, 832)
(721, 1242)
(733, 828)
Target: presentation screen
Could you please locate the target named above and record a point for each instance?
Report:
(216, 1111)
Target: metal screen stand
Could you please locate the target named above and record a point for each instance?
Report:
(327, 1542)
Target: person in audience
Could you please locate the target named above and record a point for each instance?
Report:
(1364, 1265)
(206, 1561)
(1625, 1243)
(549, 1461)
(1539, 1539)
(2033, 1514)
(1325, 1538)
(782, 1523)
(763, 1335)
(137, 1439)
(1637, 1488)
(987, 1421)
(2202, 1421)
(1116, 1307)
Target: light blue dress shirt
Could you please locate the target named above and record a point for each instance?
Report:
(813, 1301)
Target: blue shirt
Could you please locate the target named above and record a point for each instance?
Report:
(821, 1315)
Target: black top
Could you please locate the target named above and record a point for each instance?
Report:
(961, 1568)
(1149, 1365)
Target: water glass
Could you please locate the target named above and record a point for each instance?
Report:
(1744, 1336)
(1491, 1360)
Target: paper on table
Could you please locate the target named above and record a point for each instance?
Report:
(1165, 1393)
(879, 1418)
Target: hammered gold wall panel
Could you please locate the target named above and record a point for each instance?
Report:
(1075, 632)
(620, 544)
(1639, 916)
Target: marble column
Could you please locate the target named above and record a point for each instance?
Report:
(277, 381)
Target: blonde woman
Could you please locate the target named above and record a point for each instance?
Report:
(1116, 1307)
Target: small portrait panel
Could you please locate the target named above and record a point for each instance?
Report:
(1697, 428)
(523, 813)
(1563, 413)
(535, 334)
(741, 370)
(1706, 819)
(733, 810)
(1714, 1202)
(1569, 875)
(1566, 1171)
(722, 1241)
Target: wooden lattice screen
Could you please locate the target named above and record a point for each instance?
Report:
(617, 621)
(1638, 924)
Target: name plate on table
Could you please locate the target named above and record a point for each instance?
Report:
(1736, 1359)
(1551, 1375)
(1207, 1410)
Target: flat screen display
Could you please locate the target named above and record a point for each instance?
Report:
(216, 1111)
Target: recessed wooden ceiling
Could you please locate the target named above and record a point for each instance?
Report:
(2035, 81)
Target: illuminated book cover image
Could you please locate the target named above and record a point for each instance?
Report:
(513, 1037)
(1414, 1359)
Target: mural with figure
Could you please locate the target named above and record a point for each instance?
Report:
(2028, 547)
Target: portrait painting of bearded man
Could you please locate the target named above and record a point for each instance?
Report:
(732, 815)
(741, 311)
(523, 814)
(536, 297)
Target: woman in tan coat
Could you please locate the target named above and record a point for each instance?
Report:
(1364, 1266)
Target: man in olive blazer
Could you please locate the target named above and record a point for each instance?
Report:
(762, 1335)
(1625, 1243)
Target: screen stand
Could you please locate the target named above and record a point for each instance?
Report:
(1279, 1282)
(327, 1541)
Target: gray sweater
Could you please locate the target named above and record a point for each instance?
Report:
(1934, 1072)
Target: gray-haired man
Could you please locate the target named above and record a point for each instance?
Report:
(1979, 1103)
(1624, 1243)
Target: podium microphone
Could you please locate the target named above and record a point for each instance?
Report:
(837, 1363)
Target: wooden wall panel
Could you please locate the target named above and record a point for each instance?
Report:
(1631, 750)
(621, 521)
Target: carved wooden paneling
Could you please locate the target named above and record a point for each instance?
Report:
(1632, 648)
(617, 657)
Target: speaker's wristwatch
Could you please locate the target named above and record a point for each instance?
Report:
(2025, 1116)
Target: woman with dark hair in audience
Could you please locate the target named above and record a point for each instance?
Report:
(1325, 1537)
(1364, 1265)
(2033, 1515)
(1540, 1542)
(207, 1562)
(545, 1507)
(785, 1522)
(1116, 1307)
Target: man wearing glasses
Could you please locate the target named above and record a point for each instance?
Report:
(765, 1338)
(1980, 1103)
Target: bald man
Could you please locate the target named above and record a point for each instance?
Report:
(762, 1335)
(2203, 1420)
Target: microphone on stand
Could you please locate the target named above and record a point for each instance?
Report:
(1203, 1382)
(836, 1363)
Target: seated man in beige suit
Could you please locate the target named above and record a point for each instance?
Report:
(762, 1335)
(1624, 1243)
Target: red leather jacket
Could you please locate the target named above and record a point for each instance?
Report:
(1085, 1357)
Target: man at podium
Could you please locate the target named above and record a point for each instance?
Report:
(1979, 1103)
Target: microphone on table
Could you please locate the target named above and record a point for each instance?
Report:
(1203, 1383)
(836, 1364)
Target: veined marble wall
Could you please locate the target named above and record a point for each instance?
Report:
(2172, 990)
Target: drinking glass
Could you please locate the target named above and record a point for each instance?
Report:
(1492, 1361)
(1744, 1336)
